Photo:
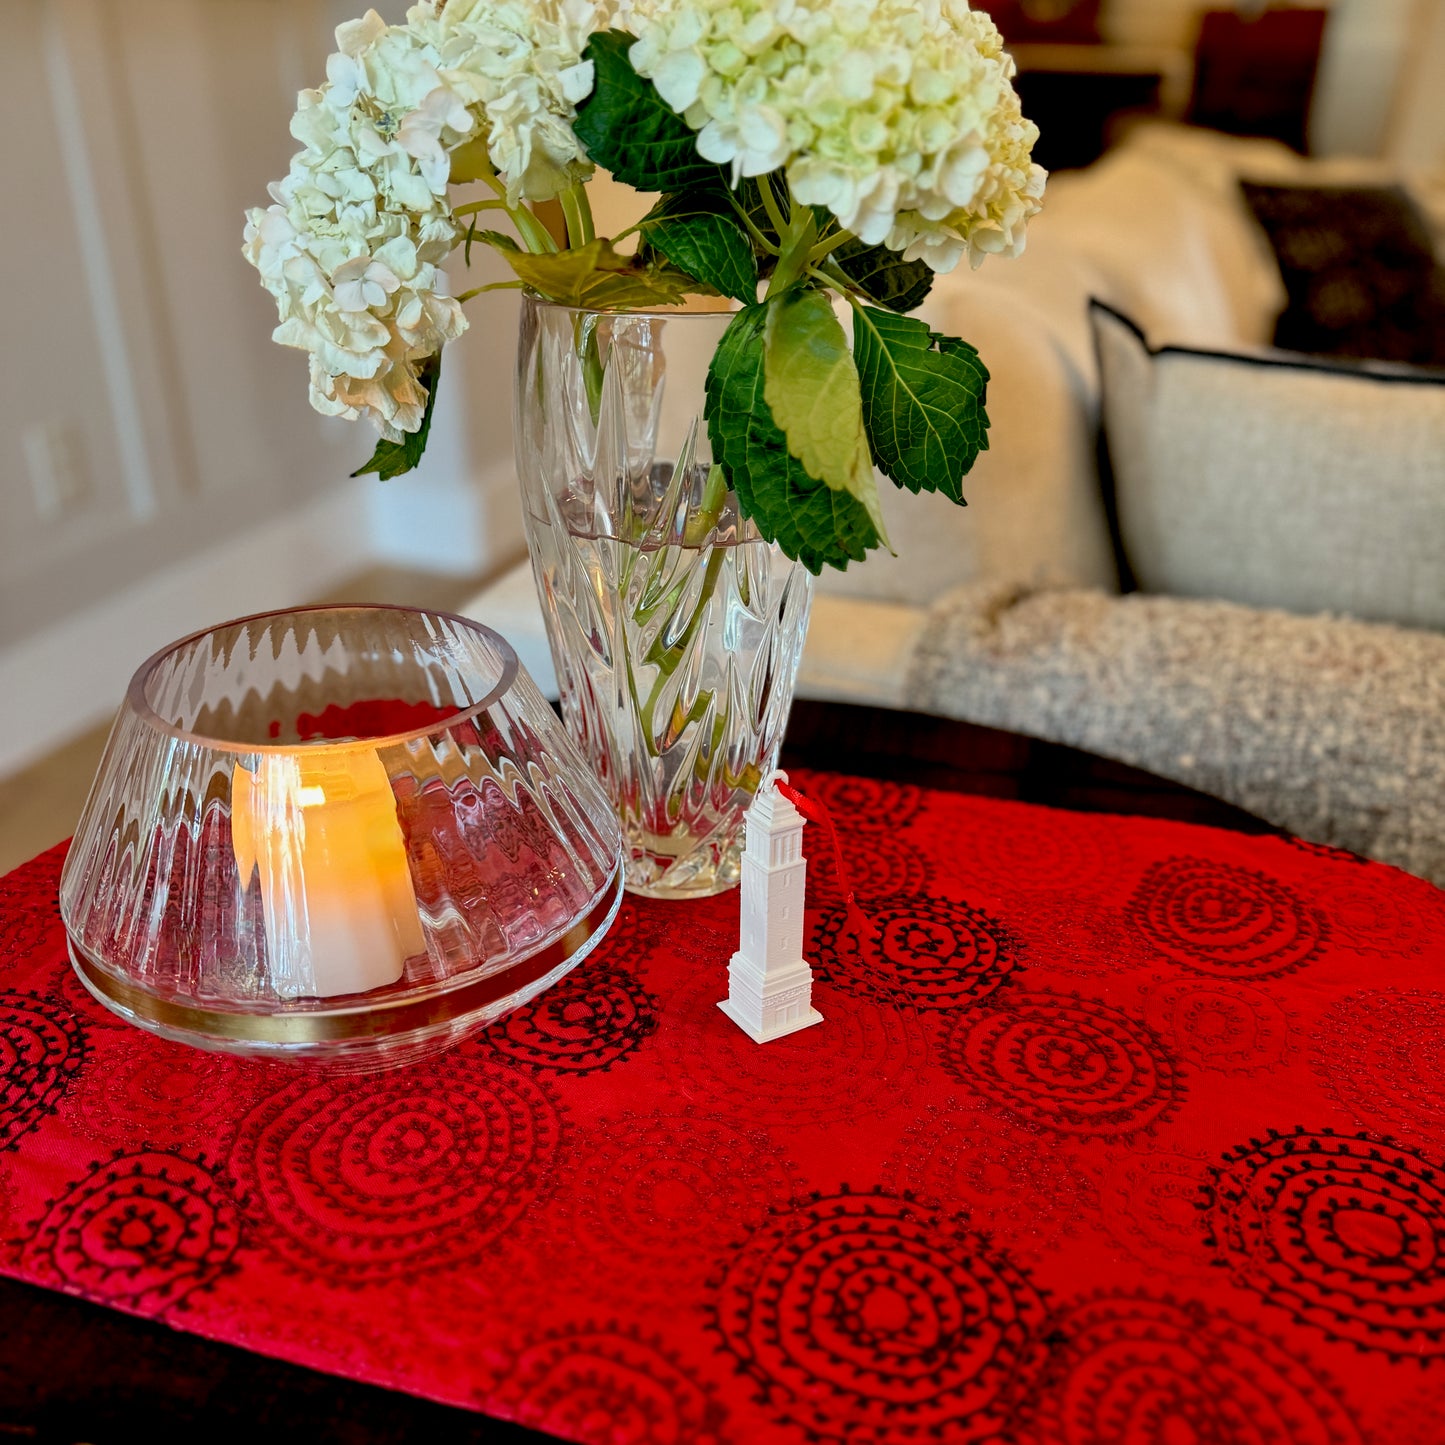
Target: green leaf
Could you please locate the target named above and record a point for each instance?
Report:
(626, 126)
(884, 275)
(391, 459)
(698, 232)
(498, 240)
(806, 518)
(595, 277)
(811, 386)
(923, 401)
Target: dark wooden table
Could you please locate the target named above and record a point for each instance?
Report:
(956, 757)
(72, 1371)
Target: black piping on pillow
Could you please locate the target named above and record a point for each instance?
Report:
(1388, 372)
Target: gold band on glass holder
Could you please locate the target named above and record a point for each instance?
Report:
(373, 1019)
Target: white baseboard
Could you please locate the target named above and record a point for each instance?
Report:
(57, 684)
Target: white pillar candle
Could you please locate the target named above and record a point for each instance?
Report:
(318, 833)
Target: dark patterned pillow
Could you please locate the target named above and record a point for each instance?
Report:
(1360, 271)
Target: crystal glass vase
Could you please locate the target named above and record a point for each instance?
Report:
(340, 834)
(676, 629)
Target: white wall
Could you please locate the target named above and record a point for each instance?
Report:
(1417, 126)
(1366, 46)
(160, 468)
(143, 362)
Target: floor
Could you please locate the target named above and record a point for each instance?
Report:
(40, 805)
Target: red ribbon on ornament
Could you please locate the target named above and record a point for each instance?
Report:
(815, 812)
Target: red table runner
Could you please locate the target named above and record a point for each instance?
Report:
(1129, 1131)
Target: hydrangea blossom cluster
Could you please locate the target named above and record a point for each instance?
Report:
(351, 246)
(899, 116)
(518, 64)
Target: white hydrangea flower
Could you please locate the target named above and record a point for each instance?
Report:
(518, 64)
(899, 116)
(350, 248)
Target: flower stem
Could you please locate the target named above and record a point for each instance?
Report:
(537, 237)
(798, 239)
(827, 246)
(831, 274)
(770, 204)
(578, 212)
(533, 233)
(584, 337)
(759, 240)
(492, 286)
(710, 509)
(667, 662)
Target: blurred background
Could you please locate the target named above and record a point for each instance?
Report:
(160, 468)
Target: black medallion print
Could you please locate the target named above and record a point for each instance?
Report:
(871, 1317)
(1225, 921)
(42, 1047)
(1073, 1065)
(1346, 1234)
(142, 1231)
(595, 1017)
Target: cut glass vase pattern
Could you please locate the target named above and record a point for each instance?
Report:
(675, 627)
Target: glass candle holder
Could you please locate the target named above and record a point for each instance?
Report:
(341, 834)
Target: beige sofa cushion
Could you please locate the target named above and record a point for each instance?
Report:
(1034, 508)
(1184, 259)
(1276, 481)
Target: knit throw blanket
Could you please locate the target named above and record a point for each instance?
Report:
(1330, 728)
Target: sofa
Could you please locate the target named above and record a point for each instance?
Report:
(1202, 597)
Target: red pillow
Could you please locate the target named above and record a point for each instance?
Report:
(1074, 22)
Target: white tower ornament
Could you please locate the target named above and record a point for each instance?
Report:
(770, 986)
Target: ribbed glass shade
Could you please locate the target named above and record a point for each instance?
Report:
(348, 834)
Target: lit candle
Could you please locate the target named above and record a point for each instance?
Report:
(319, 832)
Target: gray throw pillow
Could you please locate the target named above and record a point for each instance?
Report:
(1276, 480)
